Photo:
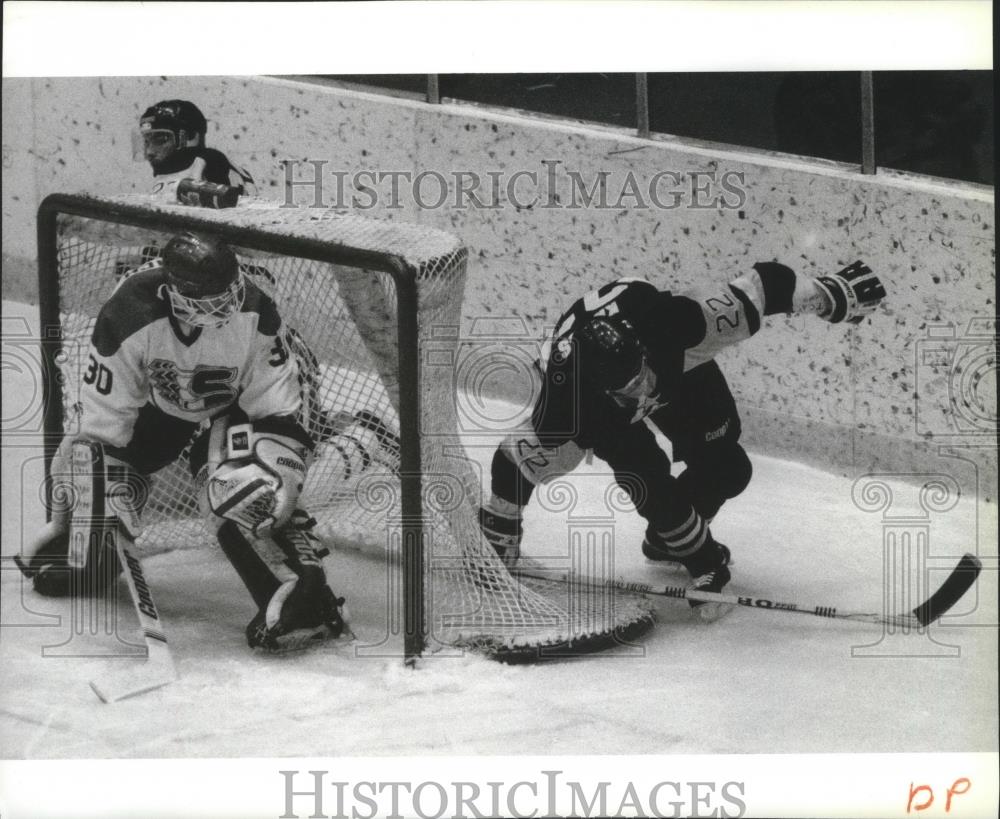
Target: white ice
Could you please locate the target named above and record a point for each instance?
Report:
(753, 682)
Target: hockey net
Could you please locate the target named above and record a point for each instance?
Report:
(341, 318)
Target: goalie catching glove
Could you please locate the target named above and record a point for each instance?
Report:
(258, 484)
(852, 293)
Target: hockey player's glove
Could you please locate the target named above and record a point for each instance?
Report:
(853, 293)
(199, 193)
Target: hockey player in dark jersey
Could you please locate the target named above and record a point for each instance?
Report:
(629, 358)
(172, 136)
(188, 342)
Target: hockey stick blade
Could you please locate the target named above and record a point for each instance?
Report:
(955, 586)
(154, 672)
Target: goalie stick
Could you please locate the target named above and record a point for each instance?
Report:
(958, 582)
(93, 523)
(158, 668)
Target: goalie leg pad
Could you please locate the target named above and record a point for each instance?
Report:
(253, 570)
(303, 610)
(107, 499)
(285, 577)
(50, 545)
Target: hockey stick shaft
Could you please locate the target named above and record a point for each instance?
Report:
(94, 522)
(954, 587)
(158, 669)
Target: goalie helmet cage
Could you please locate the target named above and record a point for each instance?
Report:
(371, 311)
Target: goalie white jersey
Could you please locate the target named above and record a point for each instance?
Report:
(140, 354)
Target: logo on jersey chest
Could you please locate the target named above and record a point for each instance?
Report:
(647, 406)
(203, 388)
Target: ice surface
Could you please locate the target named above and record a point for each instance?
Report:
(754, 682)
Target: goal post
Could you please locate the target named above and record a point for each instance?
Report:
(360, 299)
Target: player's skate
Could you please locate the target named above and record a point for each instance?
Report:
(500, 523)
(708, 565)
(502, 528)
(302, 612)
(655, 549)
(709, 568)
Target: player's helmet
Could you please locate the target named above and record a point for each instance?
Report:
(170, 125)
(204, 282)
(614, 359)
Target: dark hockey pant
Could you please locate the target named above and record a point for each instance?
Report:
(703, 426)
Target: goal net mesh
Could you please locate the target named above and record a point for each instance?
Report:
(340, 323)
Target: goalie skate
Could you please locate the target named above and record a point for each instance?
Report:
(287, 635)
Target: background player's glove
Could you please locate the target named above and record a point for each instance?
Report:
(853, 293)
(199, 193)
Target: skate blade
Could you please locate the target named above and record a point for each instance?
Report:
(305, 639)
(673, 565)
(711, 612)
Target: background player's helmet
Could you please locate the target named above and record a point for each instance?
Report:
(204, 282)
(168, 126)
(613, 358)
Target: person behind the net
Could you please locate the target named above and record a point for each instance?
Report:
(187, 342)
(629, 358)
(171, 138)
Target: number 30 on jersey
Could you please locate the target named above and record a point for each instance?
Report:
(98, 376)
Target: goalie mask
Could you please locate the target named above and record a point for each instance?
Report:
(166, 128)
(204, 284)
